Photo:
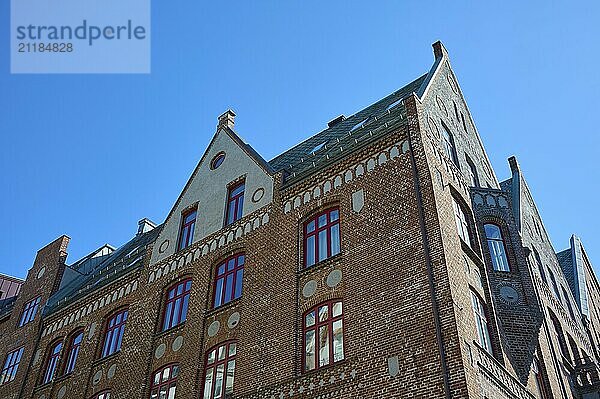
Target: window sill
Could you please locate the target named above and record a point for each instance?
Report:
(173, 329)
(105, 359)
(323, 368)
(474, 256)
(320, 265)
(222, 308)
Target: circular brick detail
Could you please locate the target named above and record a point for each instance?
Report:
(41, 272)
(258, 194)
(61, 392)
(509, 295)
(111, 371)
(233, 320)
(177, 344)
(42, 397)
(334, 278)
(213, 328)
(163, 246)
(160, 351)
(309, 289)
(97, 377)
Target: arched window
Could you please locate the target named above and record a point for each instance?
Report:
(102, 395)
(164, 382)
(323, 335)
(462, 226)
(322, 236)
(540, 265)
(115, 326)
(228, 280)
(496, 247)
(73, 351)
(448, 142)
(481, 322)
(219, 371)
(176, 306)
(52, 362)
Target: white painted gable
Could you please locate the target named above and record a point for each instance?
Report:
(208, 189)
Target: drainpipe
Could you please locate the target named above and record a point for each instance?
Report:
(425, 239)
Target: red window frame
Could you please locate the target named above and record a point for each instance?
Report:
(235, 202)
(11, 365)
(73, 351)
(176, 304)
(326, 222)
(321, 323)
(229, 276)
(29, 311)
(219, 359)
(102, 395)
(113, 332)
(52, 360)
(163, 380)
(186, 231)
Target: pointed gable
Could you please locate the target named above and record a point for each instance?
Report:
(207, 189)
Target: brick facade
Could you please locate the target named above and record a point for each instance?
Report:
(405, 277)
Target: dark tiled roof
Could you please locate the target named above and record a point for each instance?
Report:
(121, 261)
(346, 136)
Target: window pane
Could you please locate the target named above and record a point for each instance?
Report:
(309, 350)
(219, 381)
(186, 300)
(238, 283)
(334, 215)
(230, 264)
(221, 352)
(171, 391)
(240, 207)
(338, 341)
(323, 345)
(157, 378)
(221, 269)
(163, 393)
(310, 319)
(323, 312)
(208, 383)
(232, 349)
(310, 227)
(230, 212)
(337, 309)
(492, 231)
(310, 251)
(322, 220)
(176, 312)
(218, 292)
(322, 245)
(335, 239)
(211, 356)
(229, 288)
(230, 375)
(166, 374)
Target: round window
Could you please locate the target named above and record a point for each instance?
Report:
(217, 160)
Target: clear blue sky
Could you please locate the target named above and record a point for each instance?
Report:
(90, 155)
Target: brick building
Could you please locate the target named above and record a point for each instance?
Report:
(379, 258)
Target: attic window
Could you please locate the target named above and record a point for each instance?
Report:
(360, 124)
(392, 105)
(318, 147)
(217, 160)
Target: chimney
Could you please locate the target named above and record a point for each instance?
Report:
(335, 121)
(227, 119)
(145, 225)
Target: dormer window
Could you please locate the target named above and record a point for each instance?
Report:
(235, 203)
(186, 232)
